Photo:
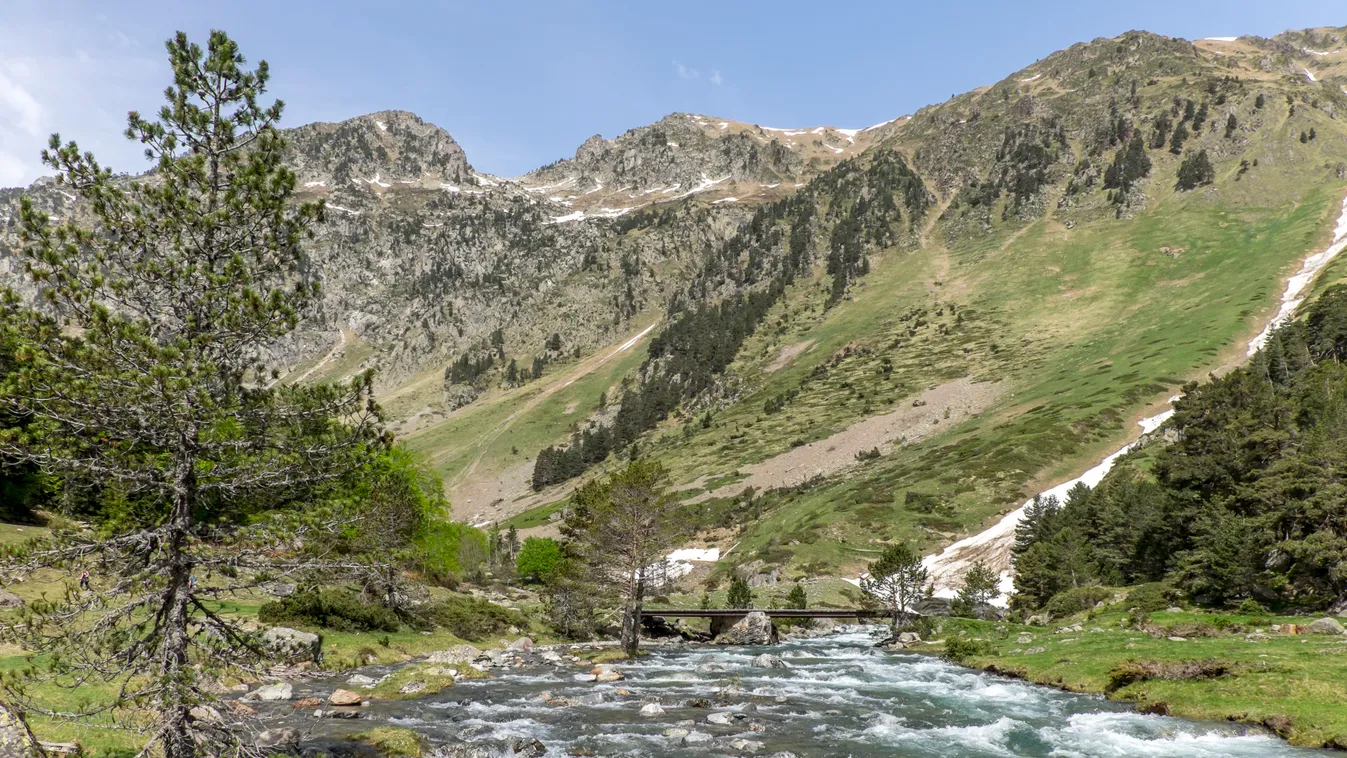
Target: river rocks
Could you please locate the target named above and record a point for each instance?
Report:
(747, 746)
(769, 661)
(527, 748)
(10, 600)
(676, 733)
(1024, 639)
(605, 674)
(308, 702)
(277, 739)
(1325, 626)
(344, 697)
(293, 646)
(411, 688)
(204, 714)
(651, 711)
(697, 738)
(754, 629)
(360, 680)
(455, 654)
(272, 692)
(585, 677)
(523, 645)
(720, 718)
(15, 739)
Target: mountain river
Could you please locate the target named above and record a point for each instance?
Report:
(835, 696)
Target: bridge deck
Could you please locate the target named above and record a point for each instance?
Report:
(776, 613)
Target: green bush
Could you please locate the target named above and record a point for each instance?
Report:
(1251, 607)
(474, 619)
(1149, 597)
(330, 608)
(960, 649)
(447, 549)
(538, 559)
(1075, 600)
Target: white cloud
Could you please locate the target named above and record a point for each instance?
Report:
(17, 105)
(715, 78)
(686, 73)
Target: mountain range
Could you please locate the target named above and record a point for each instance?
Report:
(832, 337)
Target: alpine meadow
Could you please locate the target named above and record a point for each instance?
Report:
(1016, 425)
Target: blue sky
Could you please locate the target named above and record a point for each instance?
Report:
(522, 84)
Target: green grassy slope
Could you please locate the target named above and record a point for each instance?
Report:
(1088, 313)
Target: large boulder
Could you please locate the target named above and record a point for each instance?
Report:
(288, 645)
(1325, 626)
(15, 739)
(273, 692)
(10, 600)
(754, 629)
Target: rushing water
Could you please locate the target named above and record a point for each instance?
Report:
(838, 697)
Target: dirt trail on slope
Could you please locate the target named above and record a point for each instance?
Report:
(499, 496)
(788, 353)
(915, 419)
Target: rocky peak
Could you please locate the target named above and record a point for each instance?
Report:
(388, 146)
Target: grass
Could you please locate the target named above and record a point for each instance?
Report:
(1291, 683)
(393, 742)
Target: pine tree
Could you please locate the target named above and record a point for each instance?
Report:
(1258, 101)
(1230, 125)
(620, 527)
(1180, 137)
(981, 585)
(1196, 170)
(145, 373)
(739, 596)
(796, 598)
(896, 581)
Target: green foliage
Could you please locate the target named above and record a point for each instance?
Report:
(330, 608)
(797, 598)
(981, 585)
(896, 581)
(1130, 164)
(448, 549)
(1075, 600)
(539, 558)
(1251, 607)
(1150, 597)
(739, 595)
(473, 618)
(963, 649)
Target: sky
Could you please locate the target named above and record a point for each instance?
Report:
(521, 84)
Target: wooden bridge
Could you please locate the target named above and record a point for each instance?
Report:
(776, 613)
(724, 618)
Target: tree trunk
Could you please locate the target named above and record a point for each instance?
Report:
(631, 616)
(175, 701)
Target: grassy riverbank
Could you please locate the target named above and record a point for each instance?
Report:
(1198, 665)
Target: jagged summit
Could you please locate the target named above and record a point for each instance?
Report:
(378, 148)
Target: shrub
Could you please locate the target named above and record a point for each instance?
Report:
(474, 619)
(1075, 600)
(1149, 597)
(1251, 607)
(960, 649)
(330, 608)
(538, 559)
(739, 596)
(447, 549)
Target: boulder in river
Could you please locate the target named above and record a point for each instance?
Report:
(277, 738)
(273, 692)
(523, 644)
(651, 711)
(1325, 626)
(769, 661)
(344, 697)
(754, 629)
(720, 718)
(293, 646)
